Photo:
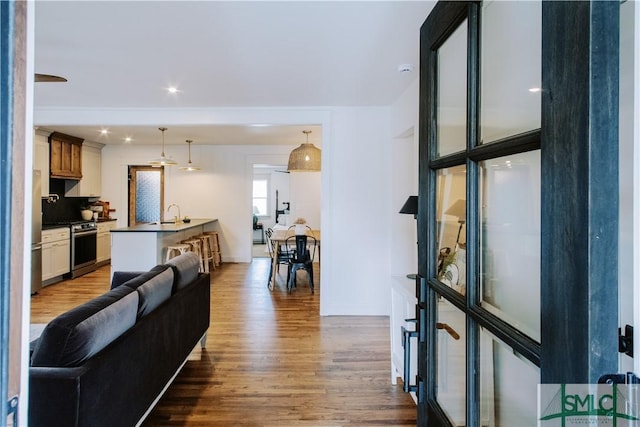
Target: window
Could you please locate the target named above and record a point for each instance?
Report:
(261, 196)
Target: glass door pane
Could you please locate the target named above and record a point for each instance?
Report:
(451, 359)
(511, 68)
(452, 93)
(508, 385)
(451, 219)
(510, 239)
(148, 191)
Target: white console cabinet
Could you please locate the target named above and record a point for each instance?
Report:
(56, 253)
(403, 306)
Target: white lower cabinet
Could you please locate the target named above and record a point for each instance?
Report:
(56, 253)
(103, 251)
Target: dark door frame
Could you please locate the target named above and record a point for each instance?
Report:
(579, 222)
(580, 107)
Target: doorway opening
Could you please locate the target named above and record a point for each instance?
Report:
(270, 195)
(146, 194)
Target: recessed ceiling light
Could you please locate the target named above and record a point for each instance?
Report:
(104, 131)
(172, 89)
(128, 140)
(535, 89)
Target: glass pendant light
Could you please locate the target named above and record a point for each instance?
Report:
(162, 160)
(190, 166)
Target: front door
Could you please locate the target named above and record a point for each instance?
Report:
(518, 206)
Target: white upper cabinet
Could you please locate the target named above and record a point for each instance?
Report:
(91, 183)
(41, 158)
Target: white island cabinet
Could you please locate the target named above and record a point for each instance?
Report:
(103, 242)
(142, 247)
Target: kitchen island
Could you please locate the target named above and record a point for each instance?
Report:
(141, 247)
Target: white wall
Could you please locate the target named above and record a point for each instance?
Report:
(629, 153)
(305, 197)
(355, 187)
(222, 189)
(403, 248)
(355, 195)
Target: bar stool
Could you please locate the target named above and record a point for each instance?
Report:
(207, 251)
(175, 250)
(215, 247)
(196, 247)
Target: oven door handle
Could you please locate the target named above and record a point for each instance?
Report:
(84, 233)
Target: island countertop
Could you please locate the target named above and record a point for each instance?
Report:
(141, 247)
(165, 227)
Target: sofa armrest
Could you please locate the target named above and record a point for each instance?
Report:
(54, 391)
(120, 277)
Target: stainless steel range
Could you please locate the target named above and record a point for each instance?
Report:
(83, 247)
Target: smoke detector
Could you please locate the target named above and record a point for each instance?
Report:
(405, 68)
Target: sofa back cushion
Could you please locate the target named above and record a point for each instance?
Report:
(154, 288)
(75, 336)
(185, 268)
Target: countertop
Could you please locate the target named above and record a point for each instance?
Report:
(53, 226)
(164, 228)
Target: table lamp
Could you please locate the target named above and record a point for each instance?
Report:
(458, 209)
(410, 207)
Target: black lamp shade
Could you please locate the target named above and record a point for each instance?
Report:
(410, 206)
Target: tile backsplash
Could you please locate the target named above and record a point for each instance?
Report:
(65, 208)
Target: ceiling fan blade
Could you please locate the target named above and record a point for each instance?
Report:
(48, 78)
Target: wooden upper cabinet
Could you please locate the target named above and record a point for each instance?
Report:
(65, 156)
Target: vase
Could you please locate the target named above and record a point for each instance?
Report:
(86, 214)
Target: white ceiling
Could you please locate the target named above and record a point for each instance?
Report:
(122, 55)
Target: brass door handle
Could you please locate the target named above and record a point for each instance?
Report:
(449, 329)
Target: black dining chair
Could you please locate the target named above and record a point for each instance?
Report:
(283, 255)
(259, 226)
(303, 248)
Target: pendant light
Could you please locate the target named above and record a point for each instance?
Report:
(190, 167)
(162, 160)
(306, 158)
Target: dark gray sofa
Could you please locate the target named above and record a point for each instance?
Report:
(108, 361)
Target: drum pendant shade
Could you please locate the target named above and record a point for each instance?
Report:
(306, 158)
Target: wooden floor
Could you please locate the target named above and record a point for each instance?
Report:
(271, 360)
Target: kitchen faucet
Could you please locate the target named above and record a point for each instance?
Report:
(175, 218)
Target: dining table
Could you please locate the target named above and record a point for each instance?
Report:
(278, 239)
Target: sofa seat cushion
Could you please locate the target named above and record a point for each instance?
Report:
(75, 336)
(154, 287)
(185, 267)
